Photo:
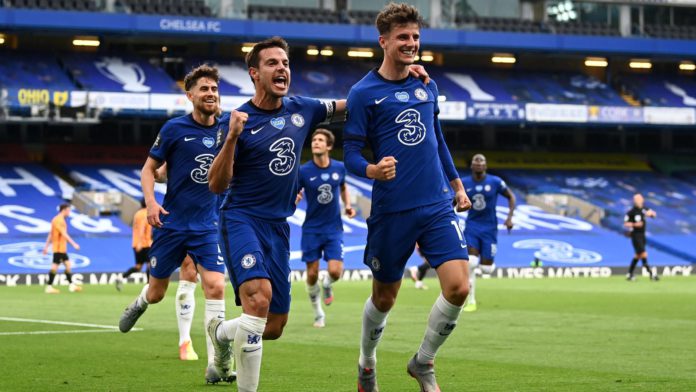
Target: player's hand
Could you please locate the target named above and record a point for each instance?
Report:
(237, 122)
(350, 212)
(299, 197)
(76, 246)
(650, 213)
(418, 71)
(638, 224)
(153, 214)
(509, 224)
(45, 250)
(462, 201)
(385, 170)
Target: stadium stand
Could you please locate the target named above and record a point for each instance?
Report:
(661, 89)
(66, 5)
(118, 74)
(500, 24)
(32, 70)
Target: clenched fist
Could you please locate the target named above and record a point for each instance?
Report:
(385, 170)
(237, 122)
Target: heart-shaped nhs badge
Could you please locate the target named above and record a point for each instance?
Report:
(278, 122)
(208, 141)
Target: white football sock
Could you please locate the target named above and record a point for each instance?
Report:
(373, 323)
(328, 280)
(315, 300)
(214, 308)
(248, 351)
(227, 330)
(473, 263)
(185, 306)
(441, 322)
(142, 298)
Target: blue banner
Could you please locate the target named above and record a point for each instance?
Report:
(495, 111)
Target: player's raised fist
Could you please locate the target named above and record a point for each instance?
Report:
(237, 122)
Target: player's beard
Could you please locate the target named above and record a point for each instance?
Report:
(202, 108)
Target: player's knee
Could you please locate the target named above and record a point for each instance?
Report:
(273, 331)
(215, 290)
(456, 294)
(335, 274)
(312, 277)
(259, 303)
(154, 296)
(384, 303)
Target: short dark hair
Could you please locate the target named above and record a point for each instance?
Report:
(394, 14)
(63, 206)
(330, 138)
(202, 71)
(252, 58)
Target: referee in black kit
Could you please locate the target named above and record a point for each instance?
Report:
(635, 222)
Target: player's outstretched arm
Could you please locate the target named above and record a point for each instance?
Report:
(651, 213)
(220, 173)
(147, 182)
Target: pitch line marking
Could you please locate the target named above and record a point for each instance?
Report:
(102, 328)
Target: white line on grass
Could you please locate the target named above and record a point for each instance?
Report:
(104, 328)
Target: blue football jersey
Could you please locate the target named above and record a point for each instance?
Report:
(399, 119)
(322, 191)
(484, 197)
(265, 175)
(189, 149)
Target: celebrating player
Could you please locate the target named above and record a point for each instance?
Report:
(481, 230)
(258, 161)
(186, 222)
(397, 115)
(322, 231)
(635, 222)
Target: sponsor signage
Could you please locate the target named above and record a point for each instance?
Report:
(190, 25)
(33, 97)
(110, 100)
(615, 114)
(452, 110)
(548, 112)
(495, 111)
(675, 116)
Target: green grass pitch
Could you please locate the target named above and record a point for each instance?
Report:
(528, 335)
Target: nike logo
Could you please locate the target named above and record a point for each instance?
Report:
(378, 101)
(469, 190)
(255, 131)
(188, 139)
(220, 263)
(251, 351)
(463, 246)
(312, 178)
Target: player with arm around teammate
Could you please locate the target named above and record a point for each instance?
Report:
(322, 179)
(415, 183)
(481, 229)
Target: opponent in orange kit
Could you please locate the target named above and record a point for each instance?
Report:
(59, 237)
(142, 241)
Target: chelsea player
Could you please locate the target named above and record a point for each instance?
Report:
(481, 230)
(397, 115)
(259, 163)
(323, 179)
(186, 223)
